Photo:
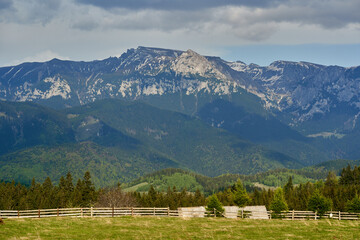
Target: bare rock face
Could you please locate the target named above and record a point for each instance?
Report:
(191, 63)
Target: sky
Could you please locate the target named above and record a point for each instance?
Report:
(253, 31)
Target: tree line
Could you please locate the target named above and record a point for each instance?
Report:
(83, 194)
(332, 194)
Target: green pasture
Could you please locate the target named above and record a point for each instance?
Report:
(176, 228)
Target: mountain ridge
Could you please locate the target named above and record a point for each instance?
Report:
(322, 103)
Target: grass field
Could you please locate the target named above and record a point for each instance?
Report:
(176, 228)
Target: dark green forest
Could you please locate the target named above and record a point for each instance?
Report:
(335, 193)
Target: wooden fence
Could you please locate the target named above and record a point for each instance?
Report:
(87, 212)
(164, 212)
(303, 215)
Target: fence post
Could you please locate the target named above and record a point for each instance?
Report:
(81, 212)
(270, 213)
(112, 213)
(57, 213)
(339, 215)
(214, 212)
(293, 215)
(18, 213)
(168, 211)
(242, 213)
(315, 215)
(91, 212)
(132, 211)
(39, 213)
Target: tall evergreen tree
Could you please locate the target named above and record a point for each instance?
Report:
(88, 191)
(214, 203)
(354, 204)
(47, 195)
(241, 198)
(318, 203)
(289, 193)
(278, 204)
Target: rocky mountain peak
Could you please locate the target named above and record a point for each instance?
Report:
(191, 63)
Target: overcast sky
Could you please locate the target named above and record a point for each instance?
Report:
(258, 31)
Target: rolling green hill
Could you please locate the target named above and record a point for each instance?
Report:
(192, 181)
(179, 178)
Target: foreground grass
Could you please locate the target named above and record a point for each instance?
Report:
(176, 228)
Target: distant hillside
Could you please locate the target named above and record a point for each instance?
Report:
(335, 165)
(192, 143)
(108, 165)
(119, 141)
(24, 125)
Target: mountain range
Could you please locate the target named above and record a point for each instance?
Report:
(179, 109)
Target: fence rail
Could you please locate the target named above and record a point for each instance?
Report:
(87, 212)
(302, 215)
(166, 212)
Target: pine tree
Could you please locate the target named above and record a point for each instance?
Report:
(69, 186)
(47, 195)
(256, 198)
(77, 197)
(289, 193)
(354, 204)
(34, 195)
(331, 180)
(318, 203)
(66, 189)
(241, 198)
(278, 204)
(151, 196)
(347, 176)
(88, 191)
(214, 203)
(289, 187)
(199, 199)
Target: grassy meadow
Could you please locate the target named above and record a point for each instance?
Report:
(176, 228)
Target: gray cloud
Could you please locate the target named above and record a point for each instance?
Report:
(250, 20)
(329, 14)
(178, 4)
(30, 11)
(5, 4)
